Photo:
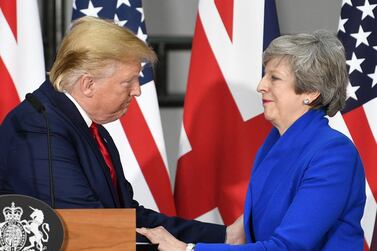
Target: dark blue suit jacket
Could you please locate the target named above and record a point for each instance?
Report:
(82, 179)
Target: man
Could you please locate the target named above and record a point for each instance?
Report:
(93, 80)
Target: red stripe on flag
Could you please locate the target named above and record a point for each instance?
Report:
(214, 127)
(225, 8)
(9, 8)
(149, 158)
(8, 93)
(365, 142)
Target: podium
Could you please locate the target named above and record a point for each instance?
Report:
(98, 229)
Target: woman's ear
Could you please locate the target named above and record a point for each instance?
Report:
(313, 95)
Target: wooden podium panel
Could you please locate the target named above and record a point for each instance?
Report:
(98, 229)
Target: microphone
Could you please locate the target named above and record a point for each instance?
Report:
(38, 106)
(34, 101)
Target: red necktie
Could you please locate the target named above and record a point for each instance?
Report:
(105, 153)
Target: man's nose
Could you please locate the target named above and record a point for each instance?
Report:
(136, 90)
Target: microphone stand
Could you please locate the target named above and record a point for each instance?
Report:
(37, 105)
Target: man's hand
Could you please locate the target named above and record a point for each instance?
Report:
(235, 233)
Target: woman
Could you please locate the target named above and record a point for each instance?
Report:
(307, 189)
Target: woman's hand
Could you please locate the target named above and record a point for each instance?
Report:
(166, 241)
(235, 233)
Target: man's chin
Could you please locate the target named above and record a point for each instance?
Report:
(122, 113)
(111, 118)
(106, 121)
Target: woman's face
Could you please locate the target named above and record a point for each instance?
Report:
(282, 106)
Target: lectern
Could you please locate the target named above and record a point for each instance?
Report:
(98, 229)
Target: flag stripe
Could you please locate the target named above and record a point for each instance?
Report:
(357, 31)
(363, 138)
(152, 117)
(11, 99)
(22, 59)
(9, 9)
(146, 152)
(369, 215)
(370, 111)
(225, 8)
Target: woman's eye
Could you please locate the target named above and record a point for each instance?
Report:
(274, 77)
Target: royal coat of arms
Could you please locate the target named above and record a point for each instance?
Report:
(16, 232)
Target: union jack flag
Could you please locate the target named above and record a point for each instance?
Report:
(358, 32)
(223, 122)
(22, 67)
(138, 135)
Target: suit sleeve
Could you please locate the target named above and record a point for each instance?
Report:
(329, 200)
(189, 231)
(24, 163)
(185, 230)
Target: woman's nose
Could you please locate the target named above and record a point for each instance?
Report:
(262, 85)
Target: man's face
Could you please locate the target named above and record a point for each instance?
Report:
(112, 95)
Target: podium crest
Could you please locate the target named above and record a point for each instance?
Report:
(15, 231)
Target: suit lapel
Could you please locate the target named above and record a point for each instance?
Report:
(98, 176)
(278, 158)
(114, 154)
(125, 194)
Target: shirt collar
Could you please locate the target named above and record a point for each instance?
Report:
(84, 115)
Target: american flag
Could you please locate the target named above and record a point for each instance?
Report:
(358, 32)
(223, 122)
(22, 67)
(138, 135)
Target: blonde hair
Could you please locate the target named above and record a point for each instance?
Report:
(90, 46)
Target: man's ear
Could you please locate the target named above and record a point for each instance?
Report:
(86, 85)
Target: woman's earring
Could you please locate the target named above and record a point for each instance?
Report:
(306, 101)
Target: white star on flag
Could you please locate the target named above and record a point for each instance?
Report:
(347, 2)
(341, 24)
(121, 23)
(359, 114)
(120, 2)
(373, 76)
(74, 4)
(355, 63)
(351, 91)
(142, 13)
(361, 36)
(91, 10)
(140, 34)
(367, 9)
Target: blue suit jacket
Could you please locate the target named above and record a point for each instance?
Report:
(82, 179)
(307, 191)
